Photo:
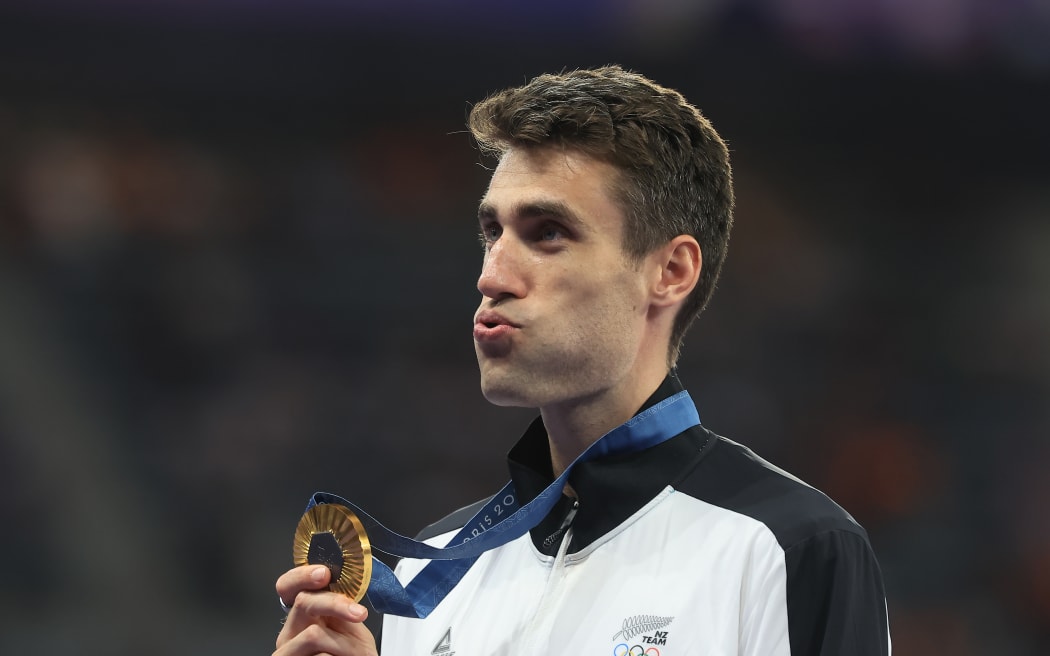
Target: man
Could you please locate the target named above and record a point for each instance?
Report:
(604, 227)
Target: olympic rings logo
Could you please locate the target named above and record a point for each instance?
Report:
(636, 650)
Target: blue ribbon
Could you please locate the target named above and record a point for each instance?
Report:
(501, 520)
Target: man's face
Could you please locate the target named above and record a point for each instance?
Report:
(563, 308)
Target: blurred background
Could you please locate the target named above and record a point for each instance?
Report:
(238, 258)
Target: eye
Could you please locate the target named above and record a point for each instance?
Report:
(551, 232)
(489, 233)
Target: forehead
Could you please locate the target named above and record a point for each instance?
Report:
(527, 180)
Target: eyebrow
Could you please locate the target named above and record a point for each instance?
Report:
(535, 209)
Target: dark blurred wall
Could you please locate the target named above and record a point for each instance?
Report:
(238, 257)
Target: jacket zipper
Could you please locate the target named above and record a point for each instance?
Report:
(549, 541)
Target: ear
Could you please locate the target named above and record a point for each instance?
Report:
(679, 265)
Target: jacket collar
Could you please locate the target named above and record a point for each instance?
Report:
(609, 489)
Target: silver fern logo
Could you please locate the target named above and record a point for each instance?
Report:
(639, 624)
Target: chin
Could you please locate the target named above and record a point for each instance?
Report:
(506, 396)
(508, 391)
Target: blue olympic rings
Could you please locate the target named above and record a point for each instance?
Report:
(623, 650)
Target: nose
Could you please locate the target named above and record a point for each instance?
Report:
(501, 271)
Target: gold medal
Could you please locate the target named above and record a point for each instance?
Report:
(331, 535)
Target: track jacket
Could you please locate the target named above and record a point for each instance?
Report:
(693, 547)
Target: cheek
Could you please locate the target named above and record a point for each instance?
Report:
(600, 298)
(614, 311)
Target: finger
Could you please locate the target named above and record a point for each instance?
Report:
(320, 605)
(329, 635)
(317, 639)
(326, 608)
(306, 577)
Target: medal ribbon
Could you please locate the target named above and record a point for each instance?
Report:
(501, 520)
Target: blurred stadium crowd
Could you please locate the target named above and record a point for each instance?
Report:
(237, 258)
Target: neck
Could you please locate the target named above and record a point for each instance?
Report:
(574, 425)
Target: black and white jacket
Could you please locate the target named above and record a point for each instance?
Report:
(693, 547)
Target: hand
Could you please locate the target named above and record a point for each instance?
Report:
(320, 622)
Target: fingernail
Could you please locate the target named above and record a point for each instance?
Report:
(357, 611)
(318, 573)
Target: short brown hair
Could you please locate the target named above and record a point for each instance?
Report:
(676, 177)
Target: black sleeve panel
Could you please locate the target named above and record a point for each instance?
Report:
(451, 522)
(835, 598)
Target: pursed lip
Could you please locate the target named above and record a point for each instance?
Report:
(490, 325)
